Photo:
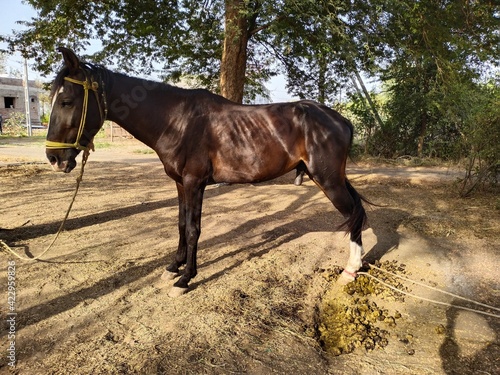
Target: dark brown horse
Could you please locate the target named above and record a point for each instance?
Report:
(202, 138)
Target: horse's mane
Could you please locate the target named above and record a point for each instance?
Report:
(102, 74)
(89, 69)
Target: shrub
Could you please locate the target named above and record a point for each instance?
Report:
(15, 125)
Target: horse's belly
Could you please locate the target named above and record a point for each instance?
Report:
(252, 167)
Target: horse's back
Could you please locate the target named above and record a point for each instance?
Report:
(255, 143)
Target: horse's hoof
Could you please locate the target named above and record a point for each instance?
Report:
(167, 275)
(177, 292)
(165, 279)
(345, 278)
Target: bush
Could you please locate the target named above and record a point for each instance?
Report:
(15, 125)
(44, 119)
(482, 138)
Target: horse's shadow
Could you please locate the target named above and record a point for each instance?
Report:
(28, 232)
(483, 361)
(385, 224)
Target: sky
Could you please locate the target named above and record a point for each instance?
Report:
(16, 10)
(12, 11)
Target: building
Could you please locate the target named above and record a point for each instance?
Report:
(12, 99)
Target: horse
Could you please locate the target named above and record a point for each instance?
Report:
(202, 138)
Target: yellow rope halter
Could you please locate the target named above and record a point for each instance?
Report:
(87, 85)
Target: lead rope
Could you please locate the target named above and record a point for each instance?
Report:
(432, 288)
(79, 179)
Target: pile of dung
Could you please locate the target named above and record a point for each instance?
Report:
(366, 285)
(350, 318)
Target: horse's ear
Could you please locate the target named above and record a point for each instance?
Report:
(70, 59)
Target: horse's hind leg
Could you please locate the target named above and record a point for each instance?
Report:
(346, 199)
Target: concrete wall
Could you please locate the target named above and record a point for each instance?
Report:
(12, 99)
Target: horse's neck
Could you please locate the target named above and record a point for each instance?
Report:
(133, 104)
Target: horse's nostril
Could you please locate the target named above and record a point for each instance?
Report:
(52, 159)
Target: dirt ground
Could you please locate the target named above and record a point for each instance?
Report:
(266, 258)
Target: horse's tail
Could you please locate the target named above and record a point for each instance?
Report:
(357, 221)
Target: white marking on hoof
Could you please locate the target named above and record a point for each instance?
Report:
(177, 292)
(345, 278)
(298, 180)
(354, 263)
(167, 275)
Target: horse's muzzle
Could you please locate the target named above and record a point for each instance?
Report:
(59, 164)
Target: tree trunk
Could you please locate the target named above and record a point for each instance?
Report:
(322, 80)
(424, 93)
(369, 99)
(234, 54)
(421, 137)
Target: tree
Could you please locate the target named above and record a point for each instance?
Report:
(432, 47)
(188, 38)
(3, 64)
(481, 138)
(315, 44)
(185, 37)
(181, 37)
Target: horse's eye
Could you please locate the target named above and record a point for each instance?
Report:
(66, 103)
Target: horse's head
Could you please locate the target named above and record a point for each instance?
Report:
(78, 112)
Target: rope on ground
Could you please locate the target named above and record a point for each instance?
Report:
(79, 179)
(435, 289)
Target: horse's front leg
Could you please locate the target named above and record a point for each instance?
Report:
(172, 270)
(193, 194)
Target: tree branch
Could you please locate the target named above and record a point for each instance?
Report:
(265, 26)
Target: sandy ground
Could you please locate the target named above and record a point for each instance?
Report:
(266, 258)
